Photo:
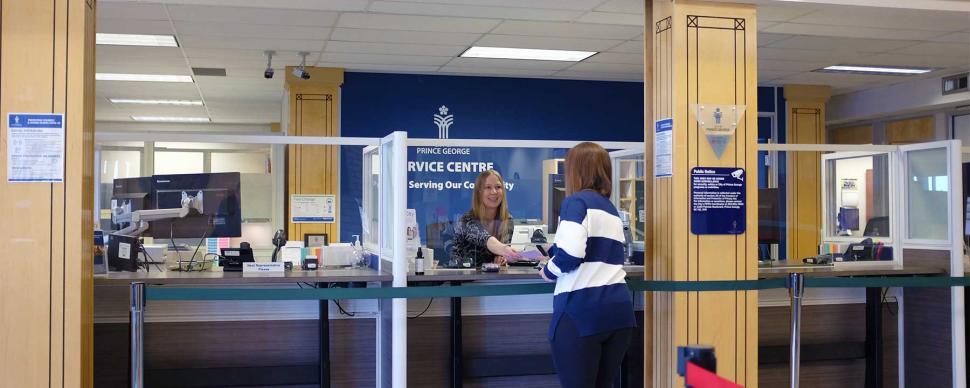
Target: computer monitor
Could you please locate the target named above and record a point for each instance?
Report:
(556, 194)
(770, 227)
(133, 194)
(848, 218)
(221, 211)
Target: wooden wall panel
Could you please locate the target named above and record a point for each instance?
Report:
(860, 134)
(648, 192)
(910, 131)
(314, 110)
(46, 64)
(806, 125)
(704, 54)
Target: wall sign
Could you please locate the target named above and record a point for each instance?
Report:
(717, 198)
(663, 148)
(35, 147)
(312, 209)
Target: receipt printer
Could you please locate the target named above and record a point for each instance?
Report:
(233, 258)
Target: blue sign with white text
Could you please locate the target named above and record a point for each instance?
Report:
(35, 120)
(717, 196)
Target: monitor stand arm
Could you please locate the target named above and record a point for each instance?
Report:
(141, 218)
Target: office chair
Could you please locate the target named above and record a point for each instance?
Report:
(877, 227)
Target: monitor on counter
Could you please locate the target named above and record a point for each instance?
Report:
(221, 215)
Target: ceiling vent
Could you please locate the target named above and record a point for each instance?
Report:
(209, 71)
(955, 84)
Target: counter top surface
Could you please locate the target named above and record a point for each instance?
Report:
(508, 273)
(223, 278)
(849, 271)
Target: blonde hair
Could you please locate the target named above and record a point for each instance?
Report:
(588, 167)
(501, 214)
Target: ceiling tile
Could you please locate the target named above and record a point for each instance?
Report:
(958, 50)
(765, 39)
(508, 63)
(608, 67)
(766, 75)
(632, 46)
(415, 23)
(390, 36)
(622, 6)
(796, 66)
(122, 54)
(496, 71)
(786, 54)
(611, 57)
(135, 26)
(393, 48)
(143, 68)
(598, 76)
(422, 69)
(582, 5)
(548, 43)
(321, 5)
(376, 59)
(244, 55)
(574, 30)
(849, 31)
(628, 19)
(886, 18)
(273, 16)
(956, 37)
(240, 30)
(844, 44)
(782, 12)
(194, 41)
(474, 11)
(128, 10)
(915, 60)
(153, 90)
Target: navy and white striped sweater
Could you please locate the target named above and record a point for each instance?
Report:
(587, 264)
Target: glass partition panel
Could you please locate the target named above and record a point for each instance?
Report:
(628, 191)
(927, 194)
(858, 195)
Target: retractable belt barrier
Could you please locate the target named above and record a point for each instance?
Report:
(637, 285)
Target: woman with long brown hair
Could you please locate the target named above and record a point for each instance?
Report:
(482, 234)
(592, 320)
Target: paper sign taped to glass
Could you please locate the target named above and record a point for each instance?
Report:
(718, 123)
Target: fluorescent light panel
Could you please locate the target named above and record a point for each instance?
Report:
(884, 70)
(136, 40)
(173, 119)
(521, 53)
(142, 77)
(155, 102)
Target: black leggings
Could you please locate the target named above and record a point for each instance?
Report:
(591, 361)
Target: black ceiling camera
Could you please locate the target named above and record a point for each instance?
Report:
(268, 73)
(301, 71)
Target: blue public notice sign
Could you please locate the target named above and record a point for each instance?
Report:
(717, 200)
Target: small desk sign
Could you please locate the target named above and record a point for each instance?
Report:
(263, 267)
(717, 200)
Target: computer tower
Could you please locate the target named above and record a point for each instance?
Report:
(123, 252)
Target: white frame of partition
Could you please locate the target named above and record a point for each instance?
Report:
(900, 235)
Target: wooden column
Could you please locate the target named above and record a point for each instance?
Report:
(648, 118)
(806, 125)
(313, 109)
(704, 53)
(46, 293)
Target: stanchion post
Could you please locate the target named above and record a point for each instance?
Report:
(796, 287)
(137, 328)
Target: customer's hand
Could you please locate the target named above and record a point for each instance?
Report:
(508, 252)
(543, 274)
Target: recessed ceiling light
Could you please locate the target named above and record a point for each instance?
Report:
(173, 119)
(142, 77)
(136, 40)
(155, 102)
(878, 70)
(521, 53)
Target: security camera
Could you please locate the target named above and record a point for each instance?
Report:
(300, 72)
(268, 73)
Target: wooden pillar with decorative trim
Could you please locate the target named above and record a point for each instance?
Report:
(312, 108)
(704, 54)
(46, 236)
(805, 105)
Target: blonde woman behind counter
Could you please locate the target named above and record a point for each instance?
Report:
(484, 232)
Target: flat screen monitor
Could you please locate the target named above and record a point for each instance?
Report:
(557, 193)
(221, 215)
(849, 218)
(135, 193)
(769, 216)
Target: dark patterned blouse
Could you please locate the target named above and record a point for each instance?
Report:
(471, 237)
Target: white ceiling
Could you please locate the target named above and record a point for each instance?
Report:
(426, 36)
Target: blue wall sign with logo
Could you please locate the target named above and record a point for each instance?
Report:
(717, 196)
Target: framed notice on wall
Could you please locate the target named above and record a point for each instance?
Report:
(313, 209)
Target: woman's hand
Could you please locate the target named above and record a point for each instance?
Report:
(499, 249)
(500, 260)
(543, 274)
